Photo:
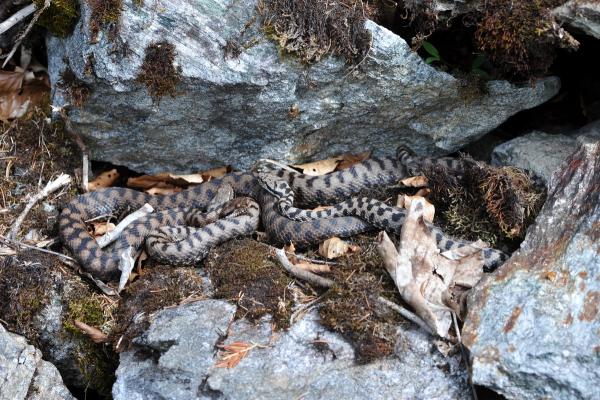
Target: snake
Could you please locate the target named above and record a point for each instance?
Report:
(174, 210)
(377, 213)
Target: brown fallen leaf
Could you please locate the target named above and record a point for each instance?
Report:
(100, 228)
(348, 160)
(233, 353)
(415, 181)
(405, 201)
(216, 172)
(21, 91)
(167, 189)
(312, 267)
(422, 275)
(104, 180)
(321, 167)
(423, 192)
(335, 247)
(95, 334)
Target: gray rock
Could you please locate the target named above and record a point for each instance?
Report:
(539, 152)
(23, 373)
(175, 359)
(235, 110)
(533, 325)
(582, 15)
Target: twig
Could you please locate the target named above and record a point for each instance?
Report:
(16, 18)
(276, 163)
(312, 260)
(24, 34)
(406, 314)
(126, 264)
(111, 236)
(17, 243)
(463, 354)
(50, 187)
(81, 144)
(300, 273)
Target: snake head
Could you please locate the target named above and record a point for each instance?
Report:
(273, 185)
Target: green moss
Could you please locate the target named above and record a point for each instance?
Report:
(352, 309)
(96, 362)
(244, 271)
(158, 71)
(60, 18)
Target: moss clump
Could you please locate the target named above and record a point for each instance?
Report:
(105, 16)
(352, 309)
(60, 18)
(23, 293)
(312, 28)
(519, 36)
(158, 71)
(158, 288)
(77, 89)
(483, 202)
(244, 271)
(96, 362)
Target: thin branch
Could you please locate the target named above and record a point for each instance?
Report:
(407, 314)
(50, 187)
(301, 273)
(18, 42)
(82, 146)
(17, 243)
(17, 17)
(111, 236)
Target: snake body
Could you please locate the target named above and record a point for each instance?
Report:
(310, 191)
(375, 212)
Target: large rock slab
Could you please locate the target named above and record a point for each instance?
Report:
(182, 344)
(533, 326)
(582, 15)
(23, 373)
(235, 110)
(539, 152)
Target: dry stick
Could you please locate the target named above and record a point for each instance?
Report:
(300, 273)
(111, 236)
(463, 353)
(126, 264)
(16, 18)
(62, 180)
(24, 34)
(406, 314)
(17, 243)
(84, 150)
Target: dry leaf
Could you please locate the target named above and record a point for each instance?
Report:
(319, 167)
(312, 267)
(95, 334)
(405, 201)
(423, 276)
(415, 181)
(321, 208)
(349, 160)
(424, 192)
(105, 179)
(216, 172)
(335, 247)
(164, 190)
(7, 251)
(20, 92)
(101, 228)
(233, 353)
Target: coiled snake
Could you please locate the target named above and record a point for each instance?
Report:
(241, 216)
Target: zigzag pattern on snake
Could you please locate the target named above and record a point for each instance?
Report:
(375, 212)
(191, 244)
(310, 190)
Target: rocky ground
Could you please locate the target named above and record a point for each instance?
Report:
(150, 86)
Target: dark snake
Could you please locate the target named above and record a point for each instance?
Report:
(174, 211)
